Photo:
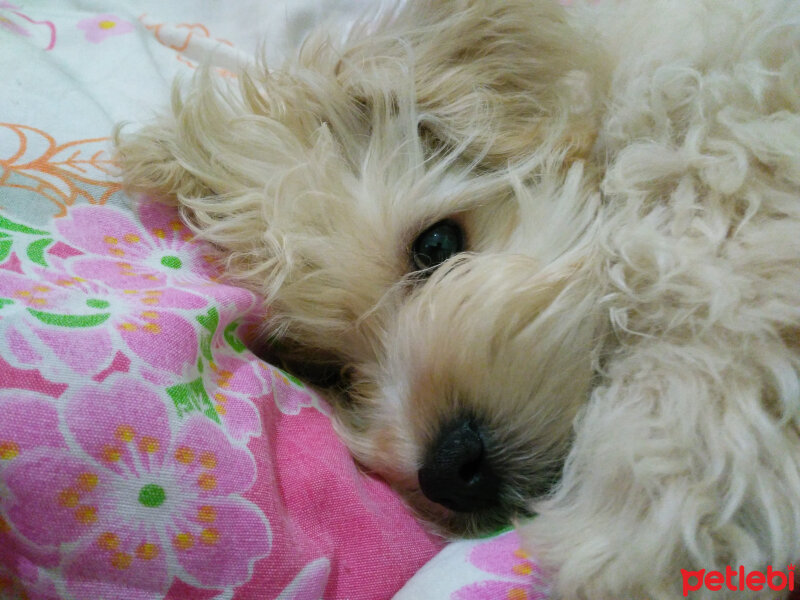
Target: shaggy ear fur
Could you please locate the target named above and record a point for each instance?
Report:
(506, 75)
(153, 161)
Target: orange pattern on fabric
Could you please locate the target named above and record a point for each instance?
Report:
(59, 172)
(180, 45)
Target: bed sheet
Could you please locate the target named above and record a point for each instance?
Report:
(145, 453)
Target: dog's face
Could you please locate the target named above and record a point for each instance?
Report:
(365, 190)
(468, 410)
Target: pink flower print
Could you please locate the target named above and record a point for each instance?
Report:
(29, 424)
(9, 25)
(520, 578)
(38, 302)
(20, 348)
(30, 585)
(140, 505)
(158, 250)
(289, 393)
(66, 310)
(14, 377)
(24, 569)
(20, 571)
(29, 429)
(223, 384)
(101, 27)
(17, 22)
(232, 383)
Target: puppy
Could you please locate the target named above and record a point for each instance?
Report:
(553, 255)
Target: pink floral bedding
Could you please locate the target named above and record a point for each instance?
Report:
(146, 453)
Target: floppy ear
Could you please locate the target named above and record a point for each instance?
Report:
(208, 141)
(503, 77)
(157, 160)
(222, 150)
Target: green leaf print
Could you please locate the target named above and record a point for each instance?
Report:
(5, 246)
(192, 397)
(10, 225)
(232, 339)
(70, 320)
(36, 251)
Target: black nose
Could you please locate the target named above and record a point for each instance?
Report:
(457, 472)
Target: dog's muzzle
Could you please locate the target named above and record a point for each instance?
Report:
(457, 471)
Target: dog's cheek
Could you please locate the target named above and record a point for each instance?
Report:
(373, 426)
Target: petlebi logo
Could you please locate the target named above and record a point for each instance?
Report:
(738, 580)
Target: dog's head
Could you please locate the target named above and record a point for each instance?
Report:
(411, 202)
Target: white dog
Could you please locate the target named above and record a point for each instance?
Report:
(554, 255)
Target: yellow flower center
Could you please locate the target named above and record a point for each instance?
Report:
(517, 594)
(183, 541)
(121, 560)
(209, 536)
(108, 541)
(8, 450)
(147, 551)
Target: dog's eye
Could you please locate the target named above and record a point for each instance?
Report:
(436, 244)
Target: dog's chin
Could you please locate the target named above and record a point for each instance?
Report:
(449, 523)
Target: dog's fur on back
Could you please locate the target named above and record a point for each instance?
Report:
(627, 317)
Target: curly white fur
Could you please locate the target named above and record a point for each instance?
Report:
(628, 178)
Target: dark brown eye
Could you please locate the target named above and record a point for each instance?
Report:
(436, 244)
